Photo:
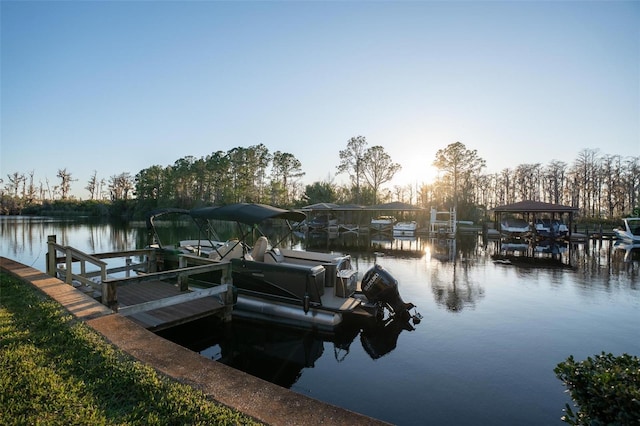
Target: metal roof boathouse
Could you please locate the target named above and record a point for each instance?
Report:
(529, 208)
(530, 212)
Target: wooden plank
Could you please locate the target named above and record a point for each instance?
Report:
(171, 316)
(174, 273)
(173, 300)
(168, 316)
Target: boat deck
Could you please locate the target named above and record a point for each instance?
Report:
(331, 301)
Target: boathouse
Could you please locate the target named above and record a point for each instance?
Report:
(531, 210)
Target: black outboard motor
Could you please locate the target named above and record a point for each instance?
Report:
(379, 286)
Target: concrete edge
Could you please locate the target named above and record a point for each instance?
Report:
(250, 395)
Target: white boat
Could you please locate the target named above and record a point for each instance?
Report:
(629, 231)
(383, 223)
(515, 228)
(322, 223)
(298, 288)
(551, 229)
(405, 228)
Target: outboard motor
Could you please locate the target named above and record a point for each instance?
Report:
(379, 286)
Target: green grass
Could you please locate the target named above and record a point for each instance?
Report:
(55, 369)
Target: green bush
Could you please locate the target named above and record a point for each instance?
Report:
(605, 388)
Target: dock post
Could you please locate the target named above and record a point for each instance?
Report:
(51, 255)
(183, 281)
(110, 295)
(152, 261)
(68, 274)
(228, 303)
(227, 279)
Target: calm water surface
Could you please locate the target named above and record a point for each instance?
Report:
(484, 352)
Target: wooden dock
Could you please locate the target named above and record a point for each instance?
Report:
(134, 297)
(154, 300)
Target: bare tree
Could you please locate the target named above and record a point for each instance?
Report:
(15, 179)
(584, 172)
(631, 181)
(65, 182)
(527, 181)
(121, 186)
(555, 181)
(92, 185)
(50, 191)
(30, 193)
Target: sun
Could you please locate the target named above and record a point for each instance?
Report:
(418, 174)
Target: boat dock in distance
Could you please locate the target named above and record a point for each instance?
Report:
(154, 300)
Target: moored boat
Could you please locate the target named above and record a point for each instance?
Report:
(322, 223)
(629, 231)
(383, 223)
(297, 287)
(515, 228)
(405, 228)
(551, 229)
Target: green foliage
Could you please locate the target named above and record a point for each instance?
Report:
(318, 192)
(606, 389)
(56, 370)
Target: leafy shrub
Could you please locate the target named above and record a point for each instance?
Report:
(606, 389)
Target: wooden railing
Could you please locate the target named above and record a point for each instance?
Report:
(72, 256)
(147, 272)
(110, 286)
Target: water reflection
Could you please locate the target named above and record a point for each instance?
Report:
(281, 354)
(452, 285)
(25, 238)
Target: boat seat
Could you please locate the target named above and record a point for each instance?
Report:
(273, 256)
(231, 249)
(259, 249)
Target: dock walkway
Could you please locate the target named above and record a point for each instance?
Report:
(164, 317)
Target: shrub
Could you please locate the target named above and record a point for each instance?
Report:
(605, 388)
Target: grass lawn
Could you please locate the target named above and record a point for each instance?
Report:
(55, 369)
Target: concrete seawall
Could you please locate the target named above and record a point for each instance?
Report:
(255, 397)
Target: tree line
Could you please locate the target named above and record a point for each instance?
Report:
(600, 185)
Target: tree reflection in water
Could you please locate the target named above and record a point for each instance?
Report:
(452, 284)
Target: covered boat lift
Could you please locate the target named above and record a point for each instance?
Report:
(529, 207)
(530, 210)
(353, 215)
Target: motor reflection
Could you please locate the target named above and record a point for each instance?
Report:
(278, 354)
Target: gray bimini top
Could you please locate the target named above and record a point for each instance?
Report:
(247, 213)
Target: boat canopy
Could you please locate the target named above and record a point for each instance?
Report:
(161, 212)
(247, 213)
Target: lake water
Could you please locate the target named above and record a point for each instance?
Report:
(484, 352)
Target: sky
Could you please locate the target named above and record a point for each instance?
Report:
(119, 86)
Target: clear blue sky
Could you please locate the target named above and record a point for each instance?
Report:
(120, 86)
